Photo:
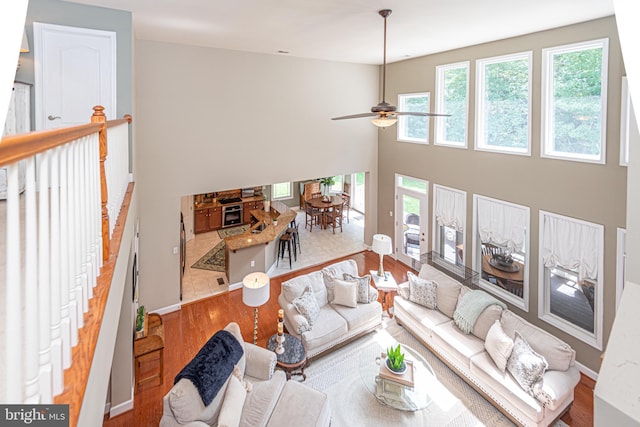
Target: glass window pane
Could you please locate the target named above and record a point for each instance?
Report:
(574, 101)
(413, 128)
(413, 184)
(505, 99)
(452, 87)
(281, 190)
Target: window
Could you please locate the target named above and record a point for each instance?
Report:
(449, 219)
(357, 191)
(503, 104)
(452, 97)
(338, 184)
(501, 249)
(282, 191)
(574, 101)
(414, 128)
(570, 274)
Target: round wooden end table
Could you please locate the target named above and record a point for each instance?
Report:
(294, 358)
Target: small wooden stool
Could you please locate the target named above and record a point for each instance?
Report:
(152, 343)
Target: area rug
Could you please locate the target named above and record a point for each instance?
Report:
(233, 231)
(214, 260)
(454, 402)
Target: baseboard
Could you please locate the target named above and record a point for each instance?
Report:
(233, 287)
(168, 309)
(107, 408)
(588, 372)
(121, 408)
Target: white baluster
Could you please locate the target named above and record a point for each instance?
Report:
(13, 299)
(71, 247)
(65, 321)
(56, 339)
(31, 336)
(44, 282)
(77, 208)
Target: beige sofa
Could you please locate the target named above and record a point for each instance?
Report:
(271, 400)
(466, 353)
(335, 323)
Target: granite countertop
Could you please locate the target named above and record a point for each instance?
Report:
(280, 211)
(216, 204)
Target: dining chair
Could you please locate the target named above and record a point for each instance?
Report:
(333, 218)
(346, 204)
(311, 216)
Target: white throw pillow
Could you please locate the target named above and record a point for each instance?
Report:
(499, 345)
(422, 291)
(366, 293)
(345, 292)
(231, 409)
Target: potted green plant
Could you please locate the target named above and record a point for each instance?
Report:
(326, 183)
(395, 360)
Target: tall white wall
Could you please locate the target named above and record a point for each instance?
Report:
(211, 119)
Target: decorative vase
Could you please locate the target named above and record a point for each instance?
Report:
(267, 205)
(401, 371)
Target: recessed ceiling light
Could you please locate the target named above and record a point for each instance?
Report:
(283, 51)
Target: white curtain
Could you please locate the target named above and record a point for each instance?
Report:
(502, 224)
(450, 208)
(571, 245)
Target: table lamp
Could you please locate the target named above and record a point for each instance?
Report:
(382, 246)
(255, 292)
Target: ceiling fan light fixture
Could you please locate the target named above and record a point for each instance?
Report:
(383, 122)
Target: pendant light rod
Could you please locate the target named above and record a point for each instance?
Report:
(384, 13)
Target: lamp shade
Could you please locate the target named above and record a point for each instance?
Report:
(255, 289)
(24, 47)
(382, 244)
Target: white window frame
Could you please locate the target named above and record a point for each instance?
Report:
(402, 119)
(522, 303)
(435, 239)
(546, 139)
(480, 144)
(288, 197)
(440, 122)
(629, 134)
(544, 299)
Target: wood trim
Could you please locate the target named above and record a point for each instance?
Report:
(19, 147)
(99, 117)
(76, 377)
(126, 119)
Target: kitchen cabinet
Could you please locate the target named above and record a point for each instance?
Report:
(205, 220)
(248, 207)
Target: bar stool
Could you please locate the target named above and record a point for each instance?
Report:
(284, 242)
(295, 235)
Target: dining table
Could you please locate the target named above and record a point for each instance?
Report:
(514, 273)
(324, 204)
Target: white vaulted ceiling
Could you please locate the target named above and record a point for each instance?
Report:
(348, 30)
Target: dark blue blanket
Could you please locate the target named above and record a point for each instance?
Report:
(213, 364)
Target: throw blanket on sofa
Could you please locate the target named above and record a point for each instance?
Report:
(213, 364)
(471, 306)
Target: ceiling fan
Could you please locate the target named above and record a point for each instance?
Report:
(385, 113)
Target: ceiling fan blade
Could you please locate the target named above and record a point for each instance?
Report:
(355, 116)
(413, 113)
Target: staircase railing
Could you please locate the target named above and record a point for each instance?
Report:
(57, 237)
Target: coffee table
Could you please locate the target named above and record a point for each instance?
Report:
(294, 358)
(394, 394)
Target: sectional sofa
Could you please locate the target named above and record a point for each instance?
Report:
(494, 337)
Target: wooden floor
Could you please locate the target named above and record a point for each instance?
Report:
(187, 330)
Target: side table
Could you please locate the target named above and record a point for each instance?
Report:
(387, 289)
(294, 358)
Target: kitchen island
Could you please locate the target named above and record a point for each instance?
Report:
(257, 248)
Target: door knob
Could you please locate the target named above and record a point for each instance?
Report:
(50, 117)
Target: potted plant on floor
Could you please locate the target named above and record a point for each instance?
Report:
(395, 360)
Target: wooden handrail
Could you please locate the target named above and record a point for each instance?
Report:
(14, 148)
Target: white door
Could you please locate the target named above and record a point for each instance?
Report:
(75, 70)
(411, 218)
